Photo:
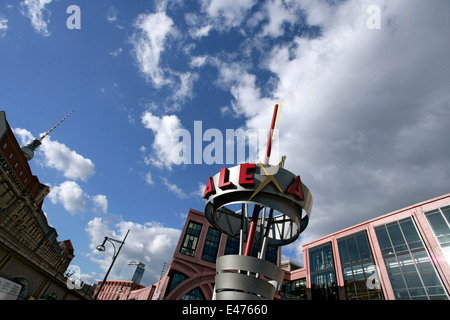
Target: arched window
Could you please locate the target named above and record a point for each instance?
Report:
(195, 294)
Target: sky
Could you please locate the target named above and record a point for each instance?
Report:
(364, 121)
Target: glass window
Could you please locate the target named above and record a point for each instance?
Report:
(211, 245)
(191, 239)
(439, 221)
(232, 246)
(175, 280)
(358, 268)
(194, 294)
(410, 269)
(323, 279)
(294, 290)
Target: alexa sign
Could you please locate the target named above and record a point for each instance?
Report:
(246, 178)
(266, 186)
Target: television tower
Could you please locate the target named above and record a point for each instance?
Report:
(29, 149)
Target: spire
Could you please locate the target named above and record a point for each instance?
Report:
(29, 149)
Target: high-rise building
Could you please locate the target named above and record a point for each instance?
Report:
(133, 272)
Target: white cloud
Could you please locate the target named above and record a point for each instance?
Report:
(364, 111)
(101, 202)
(58, 156)
(278, 14)
(111, 16)
(116, 52)
(35, 10)
(175, 189)
(226, 14)
(185, 88)
(164, 141)
(198, 61)
(148, 178)
(70, 163)
(3, 26)
(25, 136)
(70, 195)
(151, 243)
(149, 43)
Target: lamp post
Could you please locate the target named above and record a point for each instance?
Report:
(102, 248)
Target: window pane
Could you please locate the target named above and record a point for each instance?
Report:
(446, 212)
(409, 267)
(353, 249)
(363, 244)
(191, 239)
(395, 234)
(211, 245)
(383, 238)
(409, 230)
(438, 223)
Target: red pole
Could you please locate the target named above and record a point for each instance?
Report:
(269, 141)
(252, 231)
(257, 208)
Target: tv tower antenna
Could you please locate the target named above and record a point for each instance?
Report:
(29, 149)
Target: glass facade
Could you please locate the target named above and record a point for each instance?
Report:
(410, 269)
(323, 277)
(232, 247)
(211, 245)
(191, 239)
(294, 290)
(175, 280)
(358, 268)
(194, 294)
(439, 221)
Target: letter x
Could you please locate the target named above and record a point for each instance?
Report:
(269, 178)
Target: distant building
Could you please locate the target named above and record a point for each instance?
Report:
(30, 254)
(133, 272)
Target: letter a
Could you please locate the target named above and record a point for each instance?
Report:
(210, 188)
(296, 189)
(74, 21)
(374, 21)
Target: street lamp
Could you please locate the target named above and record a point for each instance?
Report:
(101, 248)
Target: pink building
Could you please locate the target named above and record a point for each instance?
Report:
(191, 275)
(401, 255)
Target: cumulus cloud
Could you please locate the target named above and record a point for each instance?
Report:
(58, 156)
(149, 42)
(3, 26)
(364, 115)
(151, 243)
(165, 140)
(73, 165)
(101, 202)
(36, 11)
(70, 195)
(227, 14)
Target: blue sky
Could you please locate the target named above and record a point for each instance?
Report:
(364, 118)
